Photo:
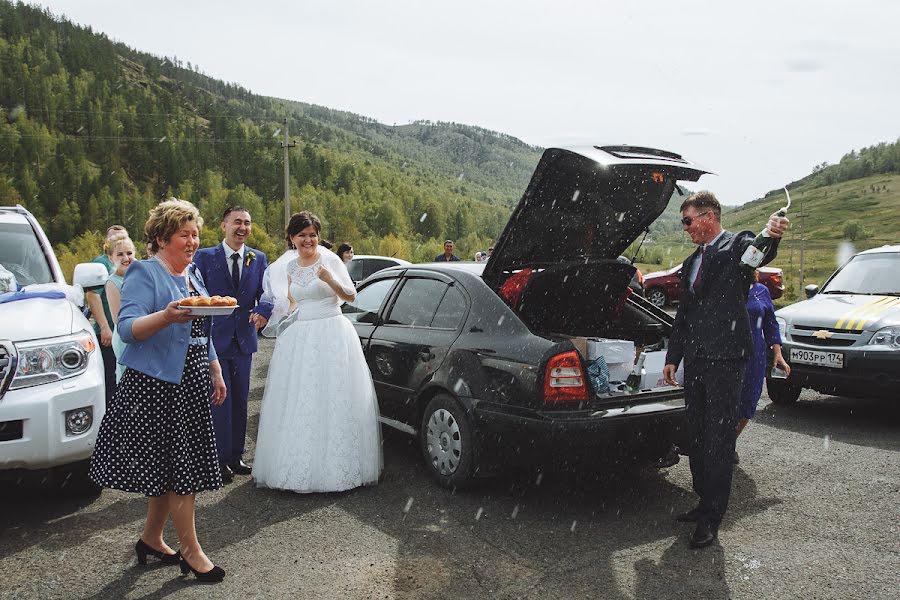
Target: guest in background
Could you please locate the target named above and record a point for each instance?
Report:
(99, 305)
(345, 253)
(326, 244)
(764, 333)
(157, 435)
(122, 250)
(448, 255)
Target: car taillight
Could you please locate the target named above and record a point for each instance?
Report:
(564, 379)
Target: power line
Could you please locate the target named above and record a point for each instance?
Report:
(162, 140)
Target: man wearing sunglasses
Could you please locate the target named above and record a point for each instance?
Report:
(711, 334)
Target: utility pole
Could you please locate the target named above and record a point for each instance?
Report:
(802, 244)
(286, 145)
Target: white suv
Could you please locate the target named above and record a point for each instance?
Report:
(52, 384)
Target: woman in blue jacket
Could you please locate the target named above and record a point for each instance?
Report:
(764, 333)
(157, 435)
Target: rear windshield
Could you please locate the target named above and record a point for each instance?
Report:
(876, 274)
(21, 254)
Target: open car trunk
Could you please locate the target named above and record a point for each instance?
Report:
(555, 264)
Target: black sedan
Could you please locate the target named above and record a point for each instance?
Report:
(480, 360)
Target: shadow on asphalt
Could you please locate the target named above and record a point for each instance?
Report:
(559, 534)
(870, 422)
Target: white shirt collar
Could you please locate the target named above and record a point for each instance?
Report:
(228, 251)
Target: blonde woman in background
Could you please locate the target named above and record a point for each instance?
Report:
(121, 252)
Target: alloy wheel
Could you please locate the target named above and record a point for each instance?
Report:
(657, 297)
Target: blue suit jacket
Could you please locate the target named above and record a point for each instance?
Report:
(216, 271)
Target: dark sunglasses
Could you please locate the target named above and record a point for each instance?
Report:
(688, 221)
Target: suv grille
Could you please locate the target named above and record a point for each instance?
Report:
(7, 366)
(839, 338)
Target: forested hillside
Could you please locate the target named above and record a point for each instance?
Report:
(93, 132)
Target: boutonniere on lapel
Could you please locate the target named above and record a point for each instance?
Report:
(250, 257)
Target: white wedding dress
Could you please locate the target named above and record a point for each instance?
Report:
(318, 426)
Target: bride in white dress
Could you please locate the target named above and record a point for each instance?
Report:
(318, 426)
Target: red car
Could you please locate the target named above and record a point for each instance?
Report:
(662, 287)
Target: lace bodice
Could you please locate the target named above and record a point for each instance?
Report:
(315, 299)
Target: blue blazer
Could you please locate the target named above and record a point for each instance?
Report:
(148, 288)
(213, 265)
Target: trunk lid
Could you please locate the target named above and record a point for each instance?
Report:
(581, 210)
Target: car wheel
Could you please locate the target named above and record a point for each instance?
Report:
(782, 392)
(657, 297)
(446, 439)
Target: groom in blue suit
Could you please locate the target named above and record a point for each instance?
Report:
(234, 269)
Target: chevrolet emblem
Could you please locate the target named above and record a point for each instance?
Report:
(822, 334)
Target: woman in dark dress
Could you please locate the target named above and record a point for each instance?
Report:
(157, 436)
(764, 333)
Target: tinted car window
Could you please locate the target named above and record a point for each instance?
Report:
(355, 268)
(368, 300)
(417, 302)
(451, 310)
(373, 265)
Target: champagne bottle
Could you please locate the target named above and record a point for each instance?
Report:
(762, 243)
(633, 383)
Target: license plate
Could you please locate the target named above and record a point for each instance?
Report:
(818, 358)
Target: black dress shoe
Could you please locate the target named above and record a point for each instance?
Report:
(227, 473)
(239, 467)
(214, 575)
(690, 516)
(142, 549)
(704, 535)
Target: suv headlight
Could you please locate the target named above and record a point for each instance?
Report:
(52, 359)
(782, 327)
(888, 337)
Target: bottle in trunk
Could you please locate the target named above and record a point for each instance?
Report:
(633, 383)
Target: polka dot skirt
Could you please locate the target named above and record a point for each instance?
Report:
(157, 436)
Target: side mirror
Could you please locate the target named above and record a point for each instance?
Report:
(90, 276)
(811, 290)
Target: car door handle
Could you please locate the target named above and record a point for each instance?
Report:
(425, 355)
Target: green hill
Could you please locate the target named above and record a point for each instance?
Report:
(93, 132)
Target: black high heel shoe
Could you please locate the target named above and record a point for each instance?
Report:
(214, 575)
(142, 550)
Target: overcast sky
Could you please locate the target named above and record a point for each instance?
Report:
(758, 92)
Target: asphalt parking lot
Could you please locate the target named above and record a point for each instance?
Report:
(814, 513)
